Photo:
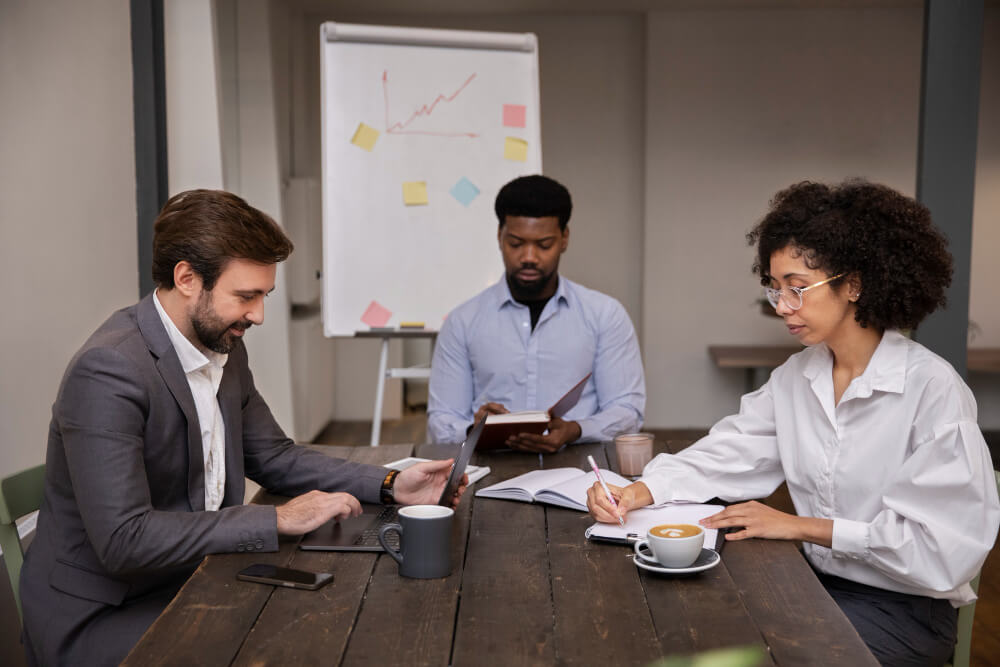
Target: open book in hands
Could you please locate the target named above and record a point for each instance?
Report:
(500, 427)
(565, 487)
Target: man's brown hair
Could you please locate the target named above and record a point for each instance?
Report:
(207, 228)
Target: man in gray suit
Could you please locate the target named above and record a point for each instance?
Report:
(156, 422)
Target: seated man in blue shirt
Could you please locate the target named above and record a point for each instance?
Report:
(525, 341)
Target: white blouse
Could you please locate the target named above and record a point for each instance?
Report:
(899, 465)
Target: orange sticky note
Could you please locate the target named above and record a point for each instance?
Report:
(365, 137)
(415, 193)
(515, 149)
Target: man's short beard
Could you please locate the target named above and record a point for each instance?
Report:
(211, 331)
(528, 291)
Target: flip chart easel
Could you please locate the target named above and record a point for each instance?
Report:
(409, 373)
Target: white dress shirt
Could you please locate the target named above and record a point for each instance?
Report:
(204, 373)
(899, 465)
(487, 351)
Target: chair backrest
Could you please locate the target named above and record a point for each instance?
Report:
(20, 494)
(963, 647)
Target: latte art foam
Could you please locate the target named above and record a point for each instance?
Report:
(675, 530)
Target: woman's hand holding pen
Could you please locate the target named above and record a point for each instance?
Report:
(631, 497)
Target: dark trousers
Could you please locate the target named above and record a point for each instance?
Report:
(899, 629)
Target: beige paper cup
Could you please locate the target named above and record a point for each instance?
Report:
(634, 451)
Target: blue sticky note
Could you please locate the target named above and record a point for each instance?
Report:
(464, 191)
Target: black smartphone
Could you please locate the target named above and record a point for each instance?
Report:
(284, 576)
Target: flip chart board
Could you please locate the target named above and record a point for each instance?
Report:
(421, 128)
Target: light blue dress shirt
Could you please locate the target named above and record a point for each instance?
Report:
(487, 351)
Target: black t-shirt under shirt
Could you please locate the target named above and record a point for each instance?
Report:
(535, 308)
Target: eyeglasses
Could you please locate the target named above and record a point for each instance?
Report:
(792, 296)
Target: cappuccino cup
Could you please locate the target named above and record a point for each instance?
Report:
(673, 545)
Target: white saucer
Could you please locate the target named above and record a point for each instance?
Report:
(707, 559)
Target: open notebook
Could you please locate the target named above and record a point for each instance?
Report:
(565, 487)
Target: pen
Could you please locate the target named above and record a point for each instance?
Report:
(604, 486)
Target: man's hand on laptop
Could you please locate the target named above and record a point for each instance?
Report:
(311, 510)
(560, 432)
(423, 483)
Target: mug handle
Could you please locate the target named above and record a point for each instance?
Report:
(638, 545)
(397, 555)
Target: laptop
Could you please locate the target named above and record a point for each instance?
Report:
(360, 533)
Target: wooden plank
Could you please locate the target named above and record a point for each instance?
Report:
(690, 613)
(207, 621)
(308, 627)
(984, 359)
(424, 607)
(699, 612)
(980, 359)
(505, 613)
(598, 578)
(799, 620)
(751, 356)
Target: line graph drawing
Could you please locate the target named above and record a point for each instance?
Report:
(424, 110)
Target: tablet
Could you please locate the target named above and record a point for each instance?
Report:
(461, 461)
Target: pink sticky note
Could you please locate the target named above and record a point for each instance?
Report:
(513, 115)
(376, 315)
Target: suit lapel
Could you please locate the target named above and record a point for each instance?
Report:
(169, 367)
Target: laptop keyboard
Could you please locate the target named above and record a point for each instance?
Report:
(369, 536)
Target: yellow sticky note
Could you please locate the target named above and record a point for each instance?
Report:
(415, 193)
(515, 149)
(365, 137)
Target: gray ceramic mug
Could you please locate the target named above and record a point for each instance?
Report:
(424, 540)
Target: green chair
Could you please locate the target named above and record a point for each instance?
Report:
(20, 494)
(963, 647)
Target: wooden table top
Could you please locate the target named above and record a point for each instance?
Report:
(526, 588)
(980, 359)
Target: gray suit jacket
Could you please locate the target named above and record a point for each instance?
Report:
(123, 524)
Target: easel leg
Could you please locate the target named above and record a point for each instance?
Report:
(379, 393)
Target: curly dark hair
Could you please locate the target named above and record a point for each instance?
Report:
(864, 229)
(535, 197)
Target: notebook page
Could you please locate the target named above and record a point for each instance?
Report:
(534, 481)
(575, 489)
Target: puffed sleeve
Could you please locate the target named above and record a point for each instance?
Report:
(737, 460)
(939, 514)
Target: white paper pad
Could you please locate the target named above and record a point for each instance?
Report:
(638, 522)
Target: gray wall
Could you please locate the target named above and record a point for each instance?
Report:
(67, 208)
(674, 127)
(740, 105)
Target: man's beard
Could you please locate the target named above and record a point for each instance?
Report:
(211, 331)
(528, 291)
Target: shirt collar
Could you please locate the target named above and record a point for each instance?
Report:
(191, 358)
(886, 370)
(504, 296)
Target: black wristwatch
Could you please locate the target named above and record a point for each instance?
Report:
(385, 494)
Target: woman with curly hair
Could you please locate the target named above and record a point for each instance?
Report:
(876, 436)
